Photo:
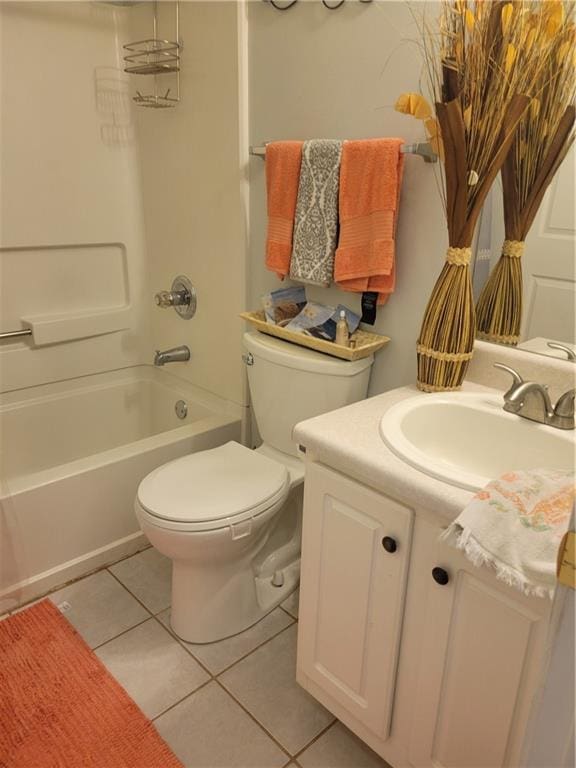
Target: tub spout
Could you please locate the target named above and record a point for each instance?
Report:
(175, 355)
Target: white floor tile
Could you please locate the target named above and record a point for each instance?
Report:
(99, 607)
(148, 576)
(152, 667)
(291, 603)
(210, 730)
(340, 748)
(265, 683)
(218, 656)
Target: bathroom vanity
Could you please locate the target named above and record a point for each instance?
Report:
(428, 659)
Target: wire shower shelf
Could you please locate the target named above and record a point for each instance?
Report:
(156, 56)
(152, 57)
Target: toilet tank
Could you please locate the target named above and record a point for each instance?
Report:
(289, 383)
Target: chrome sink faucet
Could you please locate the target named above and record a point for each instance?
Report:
(176, 355)
(532, 401)
(570, 354)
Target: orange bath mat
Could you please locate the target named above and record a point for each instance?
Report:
(61, 708)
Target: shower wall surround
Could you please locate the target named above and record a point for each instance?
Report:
(71, 229)
(338, 74)
(104, 203)
(192, 181)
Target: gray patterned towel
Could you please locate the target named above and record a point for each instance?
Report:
(316, 223)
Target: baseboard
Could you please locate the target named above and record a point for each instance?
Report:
(37, 586)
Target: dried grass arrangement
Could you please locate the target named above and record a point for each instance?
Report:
(540, 144)
(479, 90)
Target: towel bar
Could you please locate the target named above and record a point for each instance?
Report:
(423, 149)
(14, 334)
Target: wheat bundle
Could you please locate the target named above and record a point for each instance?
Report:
(540, 144)
(479, 95)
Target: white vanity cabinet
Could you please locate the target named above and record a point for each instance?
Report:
(430, 660)
(479, 661)
(355, 554)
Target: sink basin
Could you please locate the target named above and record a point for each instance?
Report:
(467, 439)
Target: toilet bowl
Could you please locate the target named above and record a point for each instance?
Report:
(212, 514)
(229, 518)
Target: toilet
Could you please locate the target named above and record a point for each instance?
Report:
(229, 518)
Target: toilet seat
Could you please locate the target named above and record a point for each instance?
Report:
(213, 489)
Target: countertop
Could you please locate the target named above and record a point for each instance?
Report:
(348, 440)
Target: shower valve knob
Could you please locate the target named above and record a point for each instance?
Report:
(181, 296)
(172, 298)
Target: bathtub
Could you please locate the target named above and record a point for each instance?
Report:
(71, 457)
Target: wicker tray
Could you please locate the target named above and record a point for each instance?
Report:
(366, 343)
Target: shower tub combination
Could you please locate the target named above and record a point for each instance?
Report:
(72, 456)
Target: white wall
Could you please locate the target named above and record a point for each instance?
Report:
(69, 187)
(336, 74)
(192, 184)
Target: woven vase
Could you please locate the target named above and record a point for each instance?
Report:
(446, 340)
(499, 306)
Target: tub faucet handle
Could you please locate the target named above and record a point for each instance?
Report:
(171, 298)
(181, 296)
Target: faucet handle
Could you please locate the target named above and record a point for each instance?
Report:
(570, 354)
(181, 296)
(565, 404)
(166, 299)
(563, 414)
(516, 378)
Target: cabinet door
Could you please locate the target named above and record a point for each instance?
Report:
(352, 593)
(481, 648)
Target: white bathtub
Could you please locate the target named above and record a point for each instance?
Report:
(71, 457)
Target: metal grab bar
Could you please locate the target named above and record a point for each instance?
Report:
(15, 334)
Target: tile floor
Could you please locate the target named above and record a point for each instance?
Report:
(231, 704)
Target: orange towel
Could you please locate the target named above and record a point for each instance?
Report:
(283, 160)
(370, 182)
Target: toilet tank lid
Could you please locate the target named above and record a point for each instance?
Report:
(302, 359)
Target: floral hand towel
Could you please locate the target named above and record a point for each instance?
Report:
(515, 525)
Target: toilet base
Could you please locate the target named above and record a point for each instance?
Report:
(234, 605)
(223, 580)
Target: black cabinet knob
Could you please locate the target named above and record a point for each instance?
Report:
(389, 544)
(440, 576)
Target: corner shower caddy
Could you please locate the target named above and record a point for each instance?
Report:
(155, 56)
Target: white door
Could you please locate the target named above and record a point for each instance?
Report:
(355, 552)
(482, 645)
(549, 263)
(549, 260)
